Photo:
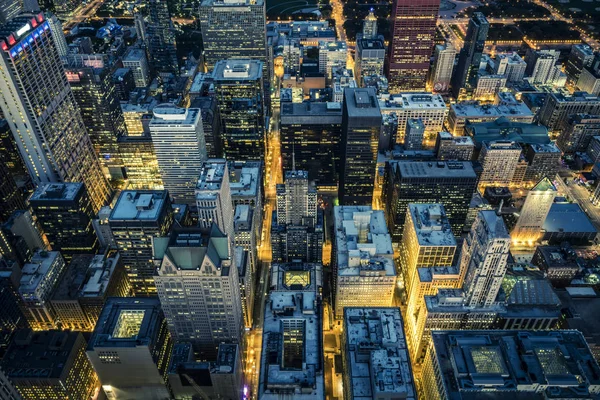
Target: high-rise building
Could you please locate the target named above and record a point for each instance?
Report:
(415, 131)
(581, 56)
(474, 112)
(233, 29)
(21, 236)
(7, 389)
(123, 82)
(332, 55)
(213, 197)
(161, 38)
(310, 135)
(291, 341)
(10, 9)
(140, 166)
(361, 124)
(130, 349)
(11, 314)
(137, 217)
(58, 362)
(241, 103)
(543, 162)
(363, 259)
(469, 58)
(508, 357)
(97, 99)
(65, 214)
(199, 288)
(135, 59)
(39, 279)
(499, 161)
(484, 259)
(541, 65)
(413, 31)
(297, 228)
(578, 131)
(450, 183)
(488, 86)
(449, 147)
(510, 65)
(589, 80)
(178, 140)
(370, 58)
(382, 369)
(558, 108)
(441, 73)
(534, 212)
(369, 30)
(11, 198)
(50, 133)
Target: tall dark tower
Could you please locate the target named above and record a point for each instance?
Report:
(161, 38)
(470, 55)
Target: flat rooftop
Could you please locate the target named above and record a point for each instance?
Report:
(99, 275)
(211, 175)
(431, 225)
(412, 101)
(361, 102)
(297, 276)
(567, 217)
(431, 169)
(67, 191)
(456, 140)
(376, 354)
(169, 115)
(74, 277)
(244, 179)
(362, 241)
(557, 363)
(476, 110)
(134, 55)
(139, 205)
(37, 270)
(233, 70)
(311, 113)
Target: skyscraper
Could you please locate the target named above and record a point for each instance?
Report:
(41, 109)
(361, 124)
(161, 38)
(499, 161)
(470, 55)
(233, 29)
(369, 30)
(413, 30)
(199, 288)
(213, 197)
(137, 217)
(484, 259)
(11, 198)
(178, 140)
(534, 212)
(65, 213)
(441, 73)
(9, 9)
(239, 93)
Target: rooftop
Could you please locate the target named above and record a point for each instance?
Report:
(362, 241)
(139, 205)
(504, 129)
(296, 276)
(14, 32)
(412, 101)
(237, 69)
(567, 217)
(244, 179)
(224, 3)
(456, 140)
(211, 175)
(516, 364)
(476, 110)
(440, 169)
(100, 272)
(127, 322)
(376, 354)
(57, 191)
(39, 274)
(431, 224)
(545, 148)
(169, 115)
(361, 102)
(134, 55)
(74, 277)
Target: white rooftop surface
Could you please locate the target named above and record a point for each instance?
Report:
(101, 272)
(34, 273)
(412, 101)
(234, 69)
(474, 109)
(363, 241)
(211, 176)
(247, 185)
(303, 309)
(140, 205)
(431, 225)
(457, 140)
(386, 371)
(169, 115)
(47, 191)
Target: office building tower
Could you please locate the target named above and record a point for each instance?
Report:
(51, 135)
(135, 59)
(57, 32)
(413, 30)
(458, 148)
(543, 162)
(50, 365)
(369, 29)
(578, 132)
(441, 73)
(488, 87)
(161, 38)
(510, 65)
(178, 140)
(427, 242)
(361, 124)
(10, 155)
(382, 369)
(589, 80)
(140, 166)
(233, 30)
(213, 197)
(430, 108)
(241, 259)
(370, 58)
(475, 112)
(541, 65)
(211, 123)
(11, 198)
(130, 349)
(534, 212)
(558, 108)
(499, 161)
(239, 93)
(219, 379)
(332, 55)
(39, 279)
(508, 357)
(97, 99)
(123, 82)
(297, 227)
(11, 314)
(451, 183)
(388, 133)
(292, 350)
(581, 56)
(310, 136)
(199, 288)
(363, 259)
(137, 217)
(64, 211)
(484, 259)
(413, 137)
(21, 236)
(469, 58)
